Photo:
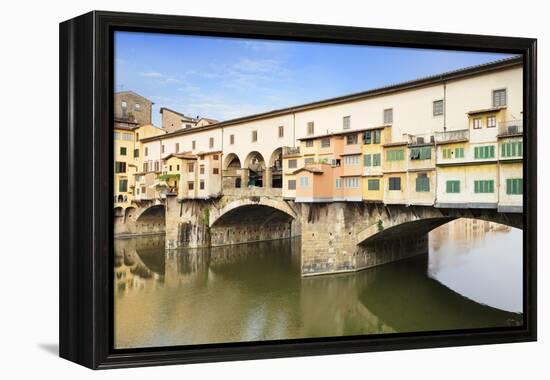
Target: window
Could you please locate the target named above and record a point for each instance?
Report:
(190, 168)
(394, 183)
(304, 181)
(373, 184)
(514, 186)
(191, 185)
(421, 153)
(193, 145)
(351, 139)
(145, 167)
(447, 152)
(146, 151)
(211, 142)
(309, 160)
(143, 190)
(124, 104)
(491, 121)
(438, 108)
(136, 153)
(309, 143)
(122, 151)
(292, 164)
(177, 147)
(254, 136)
(338, 183)
(376, 159)
(325, 143)
(137, 136)
(499, 98)
(201, 184)
(481, 152)
(512, 149)
(367, 160)
(188, 126)
(367, 137)
(459, 152)
(157, 166)
(137, 106)
(351, 160)
(170, 167)
(478, 123)
(215, 171)
(162, 148)
(388, 116)
(346, 121)
(422, 182)
(453, 186)
(281, 131)
(484, 186)
(178, 167)
(376, 136)
(231, 139)
(291, 184)
(395, 155)
(120, 167)
(123, 185)
(352, 182)
(310, 128)
(215, 157)
(201, 169)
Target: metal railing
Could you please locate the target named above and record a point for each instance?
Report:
(447, 136)
(420, 139)
(288, 150)
(510, 127)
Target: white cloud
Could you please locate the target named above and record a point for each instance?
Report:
(152, 74)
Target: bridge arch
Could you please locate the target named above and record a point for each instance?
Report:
(248, 220)
(396, 221)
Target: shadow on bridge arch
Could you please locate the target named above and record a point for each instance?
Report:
(401, 221)
(249, 220)
(151, 219)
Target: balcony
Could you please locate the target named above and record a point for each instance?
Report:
(452, 136)
(291, 151)
(510, 128)
(420, 139)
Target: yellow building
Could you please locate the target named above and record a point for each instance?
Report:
(373, 153)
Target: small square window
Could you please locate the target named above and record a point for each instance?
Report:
(499, 98)
(477, 123)
(438, 108)
(388, 116)
(310, 128)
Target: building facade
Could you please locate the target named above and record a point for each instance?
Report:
(451, 140)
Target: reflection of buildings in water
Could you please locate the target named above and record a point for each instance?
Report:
(464, 231)
(136, 262)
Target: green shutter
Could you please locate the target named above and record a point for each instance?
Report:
(514, 186)
(459, 153)
(453, 186)
(367, 160)
(376, 159)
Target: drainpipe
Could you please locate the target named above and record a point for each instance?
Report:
(444, 106)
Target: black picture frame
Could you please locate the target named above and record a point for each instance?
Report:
(86, 151)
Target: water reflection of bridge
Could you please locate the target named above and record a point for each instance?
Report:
(255, 291)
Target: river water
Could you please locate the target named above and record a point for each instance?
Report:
(471, 278)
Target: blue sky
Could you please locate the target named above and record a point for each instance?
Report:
(224, 78)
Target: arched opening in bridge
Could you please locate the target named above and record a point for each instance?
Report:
(250, 223)
(232, 171)
(152, 220)
(255, 164)
(276, 167)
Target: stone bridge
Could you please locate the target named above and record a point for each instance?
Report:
(335, 237)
